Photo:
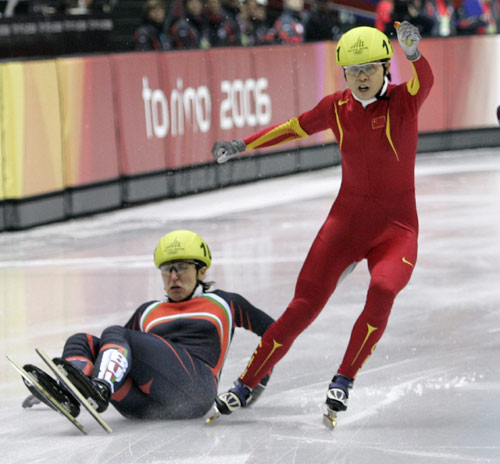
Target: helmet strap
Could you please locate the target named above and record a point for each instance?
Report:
(381, 94)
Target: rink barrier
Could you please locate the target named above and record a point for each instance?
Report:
(81, 135)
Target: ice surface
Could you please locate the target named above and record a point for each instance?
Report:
(429, 394)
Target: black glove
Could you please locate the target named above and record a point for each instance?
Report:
(224, 151)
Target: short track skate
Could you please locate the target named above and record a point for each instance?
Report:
(29, 379)
(213, 417)
(330, 419)
(63, 378)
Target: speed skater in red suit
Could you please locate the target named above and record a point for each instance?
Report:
(374, 216)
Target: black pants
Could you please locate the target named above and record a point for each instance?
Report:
(161, 381)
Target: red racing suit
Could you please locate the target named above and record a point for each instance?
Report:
(374, 216)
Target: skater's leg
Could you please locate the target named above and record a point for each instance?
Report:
(327, 260)
(391, 265)
(114, 358)
(157, 380)
(81, 350)
(80, 354)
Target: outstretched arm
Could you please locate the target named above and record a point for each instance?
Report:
(272, 135)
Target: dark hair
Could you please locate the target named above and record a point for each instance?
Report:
(205, 285)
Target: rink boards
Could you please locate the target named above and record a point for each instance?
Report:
(87, 134)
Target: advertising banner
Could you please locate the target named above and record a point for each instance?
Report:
(317, 76)
(130, 122)
(185, 103)
(233, 90)
(88, 120)
(140, 113)
(472, 82)
(31, 129)
(276, 82)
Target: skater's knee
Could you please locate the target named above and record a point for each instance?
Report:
(78, 338)
(308, 301)
(300, 313)
(383, 289)
(78, 343)
(113, 331)
(379, 302)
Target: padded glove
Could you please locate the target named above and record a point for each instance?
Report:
(224, 151)
(408, 37)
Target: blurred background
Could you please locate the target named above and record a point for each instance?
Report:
(36, 26)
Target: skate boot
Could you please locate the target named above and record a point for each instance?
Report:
(239, 396)
(336, 399)
(59, 393)
(96, 391)
(235, 398)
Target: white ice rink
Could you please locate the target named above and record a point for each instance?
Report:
(430, 394)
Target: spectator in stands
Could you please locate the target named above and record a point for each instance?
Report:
(416, 12)
(221, 29)
(491, 15)
(151, 34)
(232, 9)
(323, 23)
(442, 12)
(383, 16)
(254, 27)
(189, 30)
(470, 17)
(495, 9)
(289, 27)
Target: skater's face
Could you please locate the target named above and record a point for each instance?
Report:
(366, 83)
(180, 278)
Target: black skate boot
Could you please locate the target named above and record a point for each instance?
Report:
(239, 396)
(338, 393)
(97, 392)
(336, 399)
(235, 398)
(59, 393)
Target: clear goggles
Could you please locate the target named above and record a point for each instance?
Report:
(180, 267)
(367, 68)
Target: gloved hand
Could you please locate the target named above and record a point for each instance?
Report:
(409, 37)
(224, 151)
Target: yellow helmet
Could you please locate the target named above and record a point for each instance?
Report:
(182, 244)
(363, 45)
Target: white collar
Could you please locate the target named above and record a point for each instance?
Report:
(365, 103)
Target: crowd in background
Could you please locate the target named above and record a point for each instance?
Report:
(189, 24)
(441, 17)
(192, 24)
